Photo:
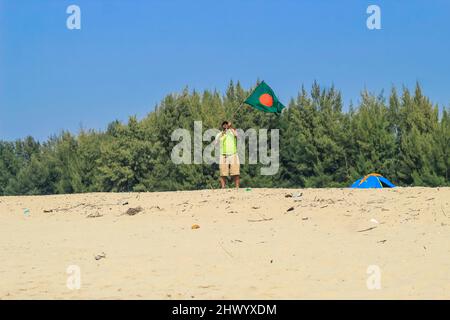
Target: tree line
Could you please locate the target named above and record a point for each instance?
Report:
(403, 137)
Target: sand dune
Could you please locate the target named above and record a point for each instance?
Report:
(255, 244)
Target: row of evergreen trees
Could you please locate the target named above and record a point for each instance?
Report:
(404, 138)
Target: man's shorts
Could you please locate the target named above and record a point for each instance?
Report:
(229, 165)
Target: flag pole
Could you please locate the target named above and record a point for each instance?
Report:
(236, 110)
(241, 104)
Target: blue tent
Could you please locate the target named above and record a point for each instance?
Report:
(373, 180)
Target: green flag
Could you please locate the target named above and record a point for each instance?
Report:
(263, 98)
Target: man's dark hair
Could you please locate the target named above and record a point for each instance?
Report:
(225, 122)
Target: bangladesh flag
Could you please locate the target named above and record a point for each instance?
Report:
(263, 98)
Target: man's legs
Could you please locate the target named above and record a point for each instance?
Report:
(222, 182)
(236, 181)
(224, 170)
(234, 169)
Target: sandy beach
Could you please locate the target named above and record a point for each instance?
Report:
(248, 244)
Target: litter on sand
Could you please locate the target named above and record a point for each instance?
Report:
(94, 215)
(100, 256)
(296, 196)
(368, 229)
(260, 220)
(133, 211)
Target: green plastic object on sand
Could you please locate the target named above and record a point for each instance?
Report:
(248, 189)
(26, 212)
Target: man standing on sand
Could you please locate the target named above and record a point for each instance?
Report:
(229, 159)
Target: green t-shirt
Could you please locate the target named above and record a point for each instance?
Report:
(228, 143)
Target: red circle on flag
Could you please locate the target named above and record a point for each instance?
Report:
(266, 100)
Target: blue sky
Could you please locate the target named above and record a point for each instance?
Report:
(129, 54)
